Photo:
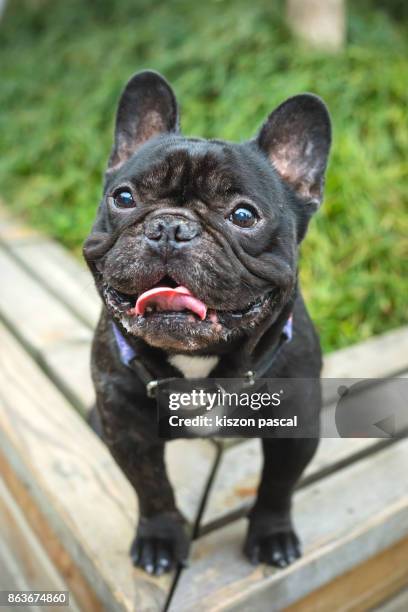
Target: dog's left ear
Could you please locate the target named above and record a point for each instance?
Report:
(147, 108)
(296, 137)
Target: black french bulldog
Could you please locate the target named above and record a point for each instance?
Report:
(194, 252)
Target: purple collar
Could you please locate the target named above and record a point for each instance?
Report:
(127, 353)
(287, 331)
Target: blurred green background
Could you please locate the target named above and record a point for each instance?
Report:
(63, 64)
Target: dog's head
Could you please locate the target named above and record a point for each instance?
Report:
(196, 241)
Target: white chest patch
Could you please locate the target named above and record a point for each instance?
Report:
(193, 367)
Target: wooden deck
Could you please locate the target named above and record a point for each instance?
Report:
(67, 514)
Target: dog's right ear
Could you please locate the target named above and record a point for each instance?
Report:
(147, 108)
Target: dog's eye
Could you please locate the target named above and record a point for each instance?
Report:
(124, 199)
(243, 217)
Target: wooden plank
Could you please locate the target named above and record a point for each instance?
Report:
(9, 575)
(68, 365)
(42, 321)
(338, 533)
(378, 357)
(362, 587)
(47, 449)
(23, 554)
(54, 268)
(397, 603)
(237, 477)
(74, 496)
(53, 335)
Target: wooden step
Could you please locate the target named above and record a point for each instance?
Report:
(344, 520)
(397, 603)
(24, 563)
(48, 330)
(235, 482)
(74, 496)
(53, 267)
(378, 357)
(237, 477)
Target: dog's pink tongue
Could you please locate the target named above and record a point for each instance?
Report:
(168, 298)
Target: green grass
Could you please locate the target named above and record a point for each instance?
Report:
(63, 64)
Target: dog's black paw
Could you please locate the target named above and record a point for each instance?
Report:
(278, 549)
(271, 540)
(161, 543)
(154, 555)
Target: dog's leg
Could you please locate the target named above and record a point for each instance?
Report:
(161, 539)
(271, 537)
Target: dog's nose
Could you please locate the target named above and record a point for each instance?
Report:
(171, 230)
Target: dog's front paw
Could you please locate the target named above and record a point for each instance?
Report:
(272, 540)
(160, 544)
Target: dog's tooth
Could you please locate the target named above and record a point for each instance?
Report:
(213, 316)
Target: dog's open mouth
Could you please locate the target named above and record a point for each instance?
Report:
(168, 299)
